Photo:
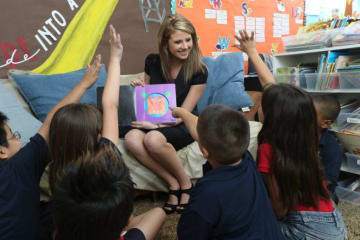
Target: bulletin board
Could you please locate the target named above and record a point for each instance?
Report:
(216, 22)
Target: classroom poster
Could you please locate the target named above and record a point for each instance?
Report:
(216, 22)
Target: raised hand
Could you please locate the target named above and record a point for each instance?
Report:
(116, 48)
(92, 72)
(247, 43)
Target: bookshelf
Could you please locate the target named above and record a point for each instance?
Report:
(293, 59)
(319, 50)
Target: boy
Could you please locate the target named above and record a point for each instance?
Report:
(327, 110)
(21, 169)
(230, 201)
(94, 201)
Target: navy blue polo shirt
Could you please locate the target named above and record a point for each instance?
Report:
(331, 157)
(230, 202)
(20, 193)
(109, 143)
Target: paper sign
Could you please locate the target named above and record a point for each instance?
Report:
(210, 14)
(221, 17)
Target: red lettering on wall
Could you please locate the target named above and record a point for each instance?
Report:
(5, 47)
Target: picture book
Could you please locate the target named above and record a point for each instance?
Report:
(153, 101)
(149, 103)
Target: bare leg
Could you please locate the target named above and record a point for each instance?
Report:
(134, 142)
(158, 147)
(149, 222)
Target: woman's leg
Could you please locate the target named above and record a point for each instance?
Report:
(163, 152)
(134, 142)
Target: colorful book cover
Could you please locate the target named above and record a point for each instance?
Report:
(153, 101)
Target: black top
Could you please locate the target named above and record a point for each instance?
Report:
(20, 193)
(230, 202)
(331, 157)
(153, 69)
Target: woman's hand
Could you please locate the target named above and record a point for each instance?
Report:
(138, 82)
(92, 72)
(144, 124)
(247, 43)
(116, 48)
(178, 122)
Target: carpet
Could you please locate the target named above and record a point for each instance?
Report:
(350, 213)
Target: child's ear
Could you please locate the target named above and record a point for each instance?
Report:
(326, 123)
(4, 153)
(204, 151)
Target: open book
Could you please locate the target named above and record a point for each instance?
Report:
(150, 103)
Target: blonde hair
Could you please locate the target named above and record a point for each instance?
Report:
(193, 63)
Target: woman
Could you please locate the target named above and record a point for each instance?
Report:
(155, 145)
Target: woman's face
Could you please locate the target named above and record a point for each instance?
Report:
(180, 44)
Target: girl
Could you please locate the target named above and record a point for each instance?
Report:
(76, 129)
(289, 160)
(155, 146)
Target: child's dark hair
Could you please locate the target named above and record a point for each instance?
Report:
(290, 127)
(224, 132)
(94, 199)
(74, 131)
(328, 105)
(3, 137)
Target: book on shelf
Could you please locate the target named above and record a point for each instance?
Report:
(330, 64)
(287, 75)
(149, 103)
(321, 69)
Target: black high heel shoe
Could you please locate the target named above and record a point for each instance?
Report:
(184, 205)
(171, 208)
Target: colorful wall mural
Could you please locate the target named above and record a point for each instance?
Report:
(57, 36)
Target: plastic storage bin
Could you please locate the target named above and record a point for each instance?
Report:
(351, 142)
(353, 161)
(349, 122)
(311, 79)
(347, 194)
(292, 79)
(349, 80)
(347, 36)
(307, 41)
(321, 81)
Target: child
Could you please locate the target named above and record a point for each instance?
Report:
(94, 200)
(327, 108)
(291, 166)
(288, 159)
(21, 169)
(230, 201)
(78, 128)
